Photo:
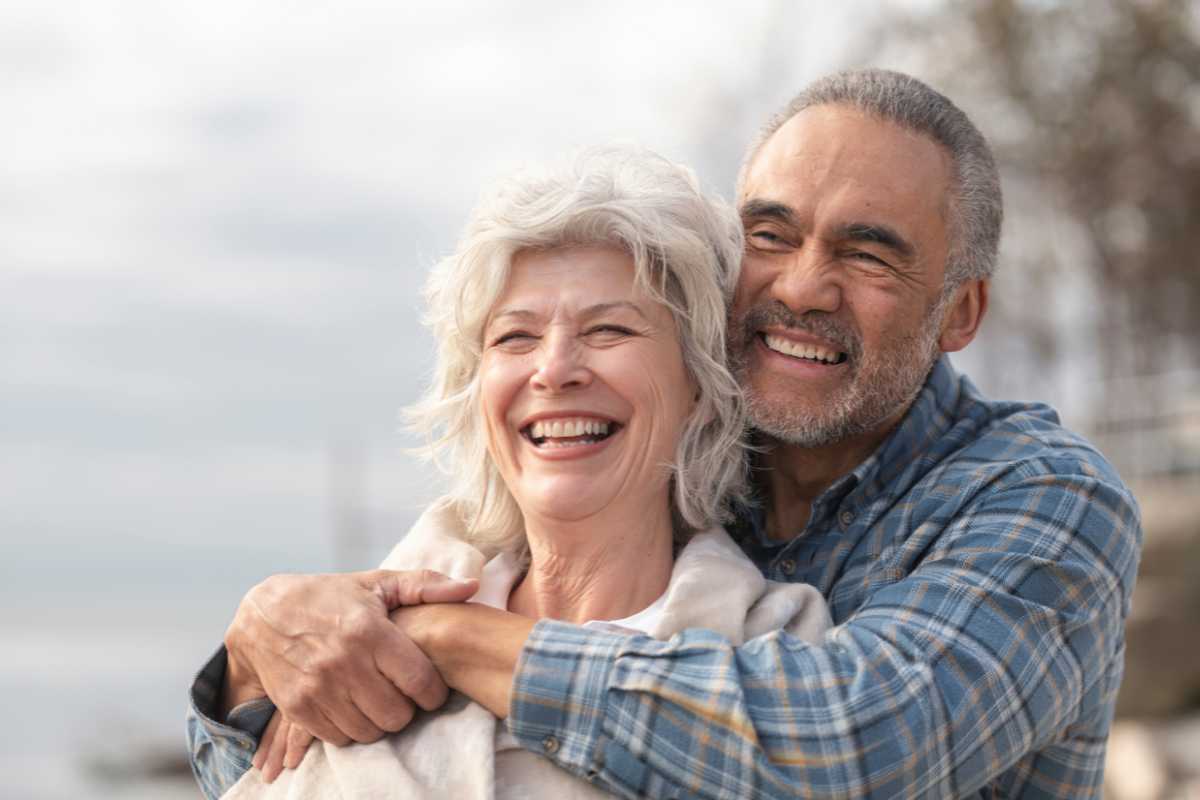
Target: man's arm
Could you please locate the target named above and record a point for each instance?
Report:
(994, 646)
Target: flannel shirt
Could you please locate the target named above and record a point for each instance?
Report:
(978, 568)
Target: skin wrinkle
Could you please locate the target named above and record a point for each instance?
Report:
(815, 199)
(599, 531)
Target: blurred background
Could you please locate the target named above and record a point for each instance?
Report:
(217, 217)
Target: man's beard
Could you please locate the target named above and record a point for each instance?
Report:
(882, 383)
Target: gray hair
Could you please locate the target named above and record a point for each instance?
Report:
(975, 208)
(686, 248)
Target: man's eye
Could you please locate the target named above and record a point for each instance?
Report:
(871, 258)
(767, 240)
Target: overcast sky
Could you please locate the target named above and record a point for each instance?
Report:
(216, 218)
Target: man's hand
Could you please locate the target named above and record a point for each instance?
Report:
(474, 648)
(322, 648)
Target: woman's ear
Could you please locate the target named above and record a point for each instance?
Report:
(964, 316)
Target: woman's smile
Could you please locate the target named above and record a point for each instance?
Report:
(582, 385)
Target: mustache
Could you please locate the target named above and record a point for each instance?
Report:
(815, 323)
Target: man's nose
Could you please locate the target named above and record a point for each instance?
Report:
(808, 281)
(561, 364)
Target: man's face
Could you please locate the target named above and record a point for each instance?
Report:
(836, 319)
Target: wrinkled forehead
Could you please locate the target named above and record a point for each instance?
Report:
(569, 280)
(831, 151)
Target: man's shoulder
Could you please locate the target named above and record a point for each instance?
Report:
(1004, 442)
(1019, 456)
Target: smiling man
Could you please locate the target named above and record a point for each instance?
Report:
(978, 558)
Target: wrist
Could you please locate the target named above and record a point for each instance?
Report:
(240, 684)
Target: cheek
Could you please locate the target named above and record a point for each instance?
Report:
(499, 385)
(753, 279)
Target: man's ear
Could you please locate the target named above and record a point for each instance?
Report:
(964, 315)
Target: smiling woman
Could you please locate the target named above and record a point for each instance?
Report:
(592, 433)
(613, 255)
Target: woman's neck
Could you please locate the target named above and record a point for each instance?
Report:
(594, 569)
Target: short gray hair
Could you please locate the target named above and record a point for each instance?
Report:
(686, 248)
(976, 207)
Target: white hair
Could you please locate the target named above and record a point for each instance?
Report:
(686, 249)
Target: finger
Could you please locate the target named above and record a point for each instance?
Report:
(384, 704)
(264, 744)
(351, 721)
(398, 658)
(274, 761)
(298, 741)
(410, 588)
(319, 725)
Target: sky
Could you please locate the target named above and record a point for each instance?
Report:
(217, 218)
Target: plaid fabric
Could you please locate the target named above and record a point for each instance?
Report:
(978, 568)
(220, 754)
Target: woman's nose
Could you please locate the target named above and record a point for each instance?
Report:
(561, 365)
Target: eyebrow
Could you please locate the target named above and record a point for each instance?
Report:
(768, 209)
(594, 310)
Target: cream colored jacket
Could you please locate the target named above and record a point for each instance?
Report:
(461, 751)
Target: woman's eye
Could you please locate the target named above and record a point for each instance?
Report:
(512, 337)
(608, 330)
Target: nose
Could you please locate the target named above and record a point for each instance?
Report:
(808, 281)
(561, 364)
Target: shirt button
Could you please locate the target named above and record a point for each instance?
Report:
(787, 566)
(550, 745)
(846, 517)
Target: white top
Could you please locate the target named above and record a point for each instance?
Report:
(461, 751)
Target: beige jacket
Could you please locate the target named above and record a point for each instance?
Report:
(452, 753)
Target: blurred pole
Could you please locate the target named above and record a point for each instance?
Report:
(347, 491)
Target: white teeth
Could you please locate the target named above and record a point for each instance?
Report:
(809, 351)
(567, 428)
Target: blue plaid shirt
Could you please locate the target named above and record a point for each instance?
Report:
(978, 568)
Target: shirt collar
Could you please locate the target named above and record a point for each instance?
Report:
(926, 422)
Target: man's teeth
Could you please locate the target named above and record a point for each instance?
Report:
(567, 428)
(797, 350)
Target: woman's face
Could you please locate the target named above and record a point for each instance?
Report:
(583, 388)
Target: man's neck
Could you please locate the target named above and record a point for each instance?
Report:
(795, 476)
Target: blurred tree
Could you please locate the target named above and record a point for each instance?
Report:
(1094, 104)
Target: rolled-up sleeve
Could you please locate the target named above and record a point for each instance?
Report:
(220, 753)
(1003, 636)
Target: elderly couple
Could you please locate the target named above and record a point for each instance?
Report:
(891, 587)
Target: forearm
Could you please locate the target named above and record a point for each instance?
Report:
(475, 648)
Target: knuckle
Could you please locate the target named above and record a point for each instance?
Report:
(397, 716)
(360, 626)
(422, 683)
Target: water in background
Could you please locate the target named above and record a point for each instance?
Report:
(99, 646)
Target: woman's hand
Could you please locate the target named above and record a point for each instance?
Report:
(474, 648)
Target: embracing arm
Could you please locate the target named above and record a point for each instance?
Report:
(1004, 638)
(323, 649)
(475, 648)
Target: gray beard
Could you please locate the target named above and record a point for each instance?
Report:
(882, 385)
